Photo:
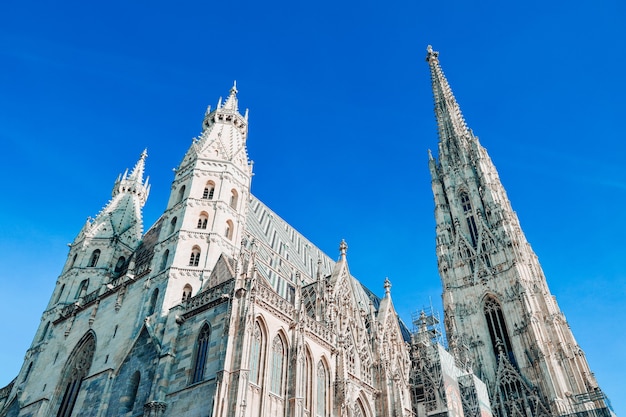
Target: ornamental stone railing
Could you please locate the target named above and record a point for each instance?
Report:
(208, 298)
(90, 297)
(318, 328)
(272, 299)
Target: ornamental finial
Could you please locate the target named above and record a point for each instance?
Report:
(343, 248)
(233, 89)
(431, 54)
(387, 286)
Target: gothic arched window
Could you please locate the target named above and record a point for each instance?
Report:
(187, 292)
(120, 264)
(194, 259)
(500, 341)
(279, 362)
(234, 197)
(469, 218)
(133, 388)
(228, 232)
(173, 224)
(153, 301)
(307, 382)
(60, 293)
(202, 348)
(166, 255)
(322, 390)
(256, 352)
(76, 369)
(82, 288)
(93, 261)
(203, 220)
(181, 194)
(209, 190)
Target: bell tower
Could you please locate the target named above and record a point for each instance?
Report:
(498, 310)
(206, 212)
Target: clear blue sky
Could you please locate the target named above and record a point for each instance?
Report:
(341, 117)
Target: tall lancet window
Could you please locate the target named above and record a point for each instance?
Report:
(202, 349)
(497, 329)
(256, 351)
(279, 356)
(469, 218)
(76, 369)
(322, 390)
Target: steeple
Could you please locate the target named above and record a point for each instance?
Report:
(133, 183)
(121, 217)
(494, 287)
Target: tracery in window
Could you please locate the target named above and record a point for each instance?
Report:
(256, 350)
(500, 341)
(202, 348)
(307, 381)
(76, 369)
(469, 218)
(322, 390)
(279, 360)
(194, 259)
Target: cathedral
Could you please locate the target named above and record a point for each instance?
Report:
(221, 308)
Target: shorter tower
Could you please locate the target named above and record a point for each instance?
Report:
(495, 295)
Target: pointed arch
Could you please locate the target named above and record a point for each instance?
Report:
(322, 403)
(131, 392)
(173, 224)
(202, 348)
(257, 352)
(153, 301)
(307, 379)
(500, 341)
(93, 260)
(469, 217)
(82, 288)
(60, 294)
(278, 369)
(75, 370)
(181, 193)
(166, 255)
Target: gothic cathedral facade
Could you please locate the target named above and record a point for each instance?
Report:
(223, 309)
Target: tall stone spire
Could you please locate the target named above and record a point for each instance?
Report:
(453, 132)
(496, 299)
